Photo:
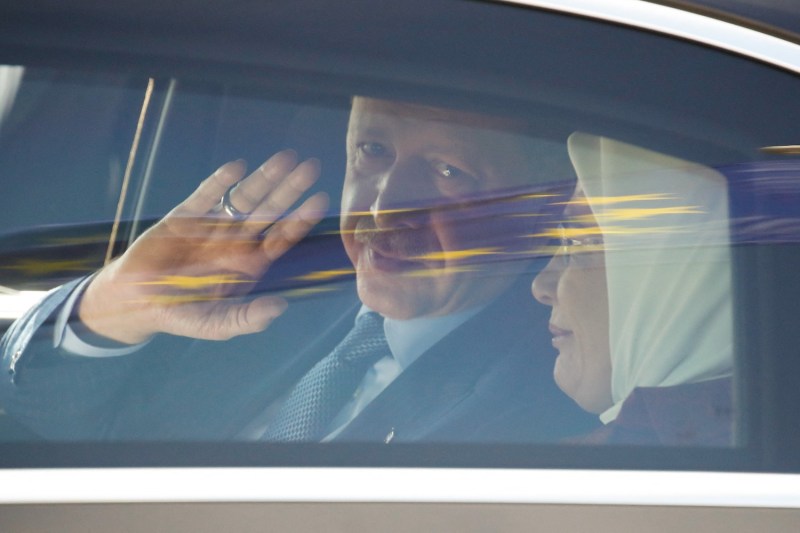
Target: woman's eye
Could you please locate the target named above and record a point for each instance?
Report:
(580, 252)
(587, 244)
(372, 149)
(570, 249)
(568, 246)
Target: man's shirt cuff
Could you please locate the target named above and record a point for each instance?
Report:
(83, 342)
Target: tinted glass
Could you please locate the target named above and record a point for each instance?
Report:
(554, 267)
(64, 142)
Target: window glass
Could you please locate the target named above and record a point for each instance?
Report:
(64, 142)
(565, 269)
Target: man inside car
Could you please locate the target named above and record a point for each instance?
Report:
(442, 347)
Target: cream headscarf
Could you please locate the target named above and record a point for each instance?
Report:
(668, 267)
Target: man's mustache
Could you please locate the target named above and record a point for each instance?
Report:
(405, 243)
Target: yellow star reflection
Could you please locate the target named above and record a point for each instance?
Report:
(196, 282)
(34, 267)
(534, 196)
(85, 239)
(180, 299)
(611, 200)
(436, 272)
(568, 232)
(457, 255)
(307, 291)
(579, 232)
(386, 211)
(649, 212)
(325, 275)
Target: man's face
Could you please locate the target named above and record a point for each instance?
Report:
(410, 223)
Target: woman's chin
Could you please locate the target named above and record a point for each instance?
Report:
(592, 399)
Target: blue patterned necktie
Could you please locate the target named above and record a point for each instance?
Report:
(324, 390)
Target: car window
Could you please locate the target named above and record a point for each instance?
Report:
(64, 141)
(555, 256)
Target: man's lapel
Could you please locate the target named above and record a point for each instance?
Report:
(426, 394)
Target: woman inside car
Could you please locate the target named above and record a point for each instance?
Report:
(640, 292)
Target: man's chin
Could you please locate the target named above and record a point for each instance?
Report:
(392, 296)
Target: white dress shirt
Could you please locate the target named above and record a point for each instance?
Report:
(407, 339)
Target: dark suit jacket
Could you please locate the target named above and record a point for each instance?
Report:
(490, 380)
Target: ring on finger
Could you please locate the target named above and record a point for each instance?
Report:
(225, 206)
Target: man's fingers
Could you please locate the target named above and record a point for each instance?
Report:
(285, 193)
(251, 191)
(265, 194)
(230, 319)
(209, 193)
(294, 227)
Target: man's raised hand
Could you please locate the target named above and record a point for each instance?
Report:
(189, 274)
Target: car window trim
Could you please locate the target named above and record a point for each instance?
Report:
(397, 485)
(674, 22)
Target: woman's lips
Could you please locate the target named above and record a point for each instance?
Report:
(560, 335)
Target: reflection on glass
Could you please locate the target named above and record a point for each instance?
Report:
(14, 303)
(445, 217)
(432, 247)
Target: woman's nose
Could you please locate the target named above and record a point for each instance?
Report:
(545, 283)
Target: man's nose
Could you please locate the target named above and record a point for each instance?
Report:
(545, 284)
(403, 196)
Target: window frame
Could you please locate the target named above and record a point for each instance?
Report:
(772, 442)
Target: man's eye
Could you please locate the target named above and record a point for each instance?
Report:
(372, 149)
(450, 172)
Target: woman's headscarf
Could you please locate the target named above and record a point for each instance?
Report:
(665, 228)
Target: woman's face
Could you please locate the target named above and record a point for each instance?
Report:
(574, 284)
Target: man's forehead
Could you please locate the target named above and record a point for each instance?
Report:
(367, 110)
(504, 144)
